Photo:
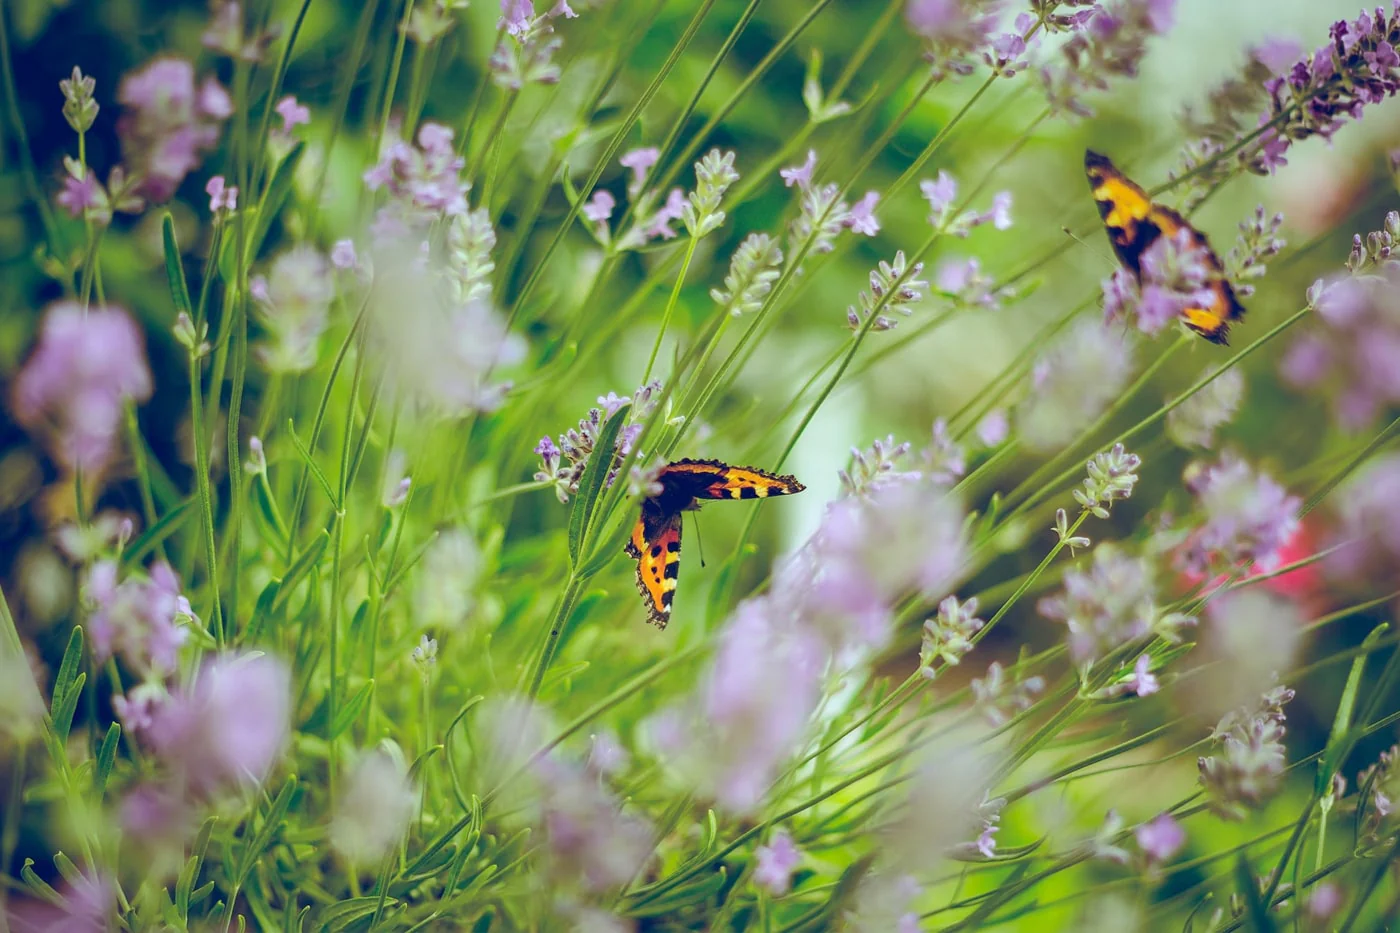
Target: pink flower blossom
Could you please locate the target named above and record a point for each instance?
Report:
(75, 384)
(800, 175)
(862, 216)
(775, 862)
(143, 619)
(292, 113)
(168, 123)
(640, 162)
(1160, 839)
(221, 198)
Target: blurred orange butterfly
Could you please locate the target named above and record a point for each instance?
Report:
(1134, 222)
(656, 538)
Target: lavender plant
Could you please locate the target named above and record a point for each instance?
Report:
(316, 614)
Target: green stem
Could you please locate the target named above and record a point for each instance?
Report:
(670, 308)
(206, 499)
(556, 629)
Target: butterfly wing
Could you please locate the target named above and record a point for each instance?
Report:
(711, 479)
(1124, 207)
(1134, 223)
(656, 544)
(1213, 321)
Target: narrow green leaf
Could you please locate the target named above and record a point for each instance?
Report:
(301, 567)
(686, 895)
(1255, 907)
(340, 915)
(1340, 741)
(67, 869)
(63, 712)
(270, 825)
(189, 874)
(591, 483)
(39, 886)
(68, 667)
(174, 268)
(310, 462)
(348, 713)
(164, 527)
(106, 757)
(609, 545)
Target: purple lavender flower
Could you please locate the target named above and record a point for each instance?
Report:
(86, 367)
(640, 162)
(955, 31)
(84, 196)
(144, 619)
(1111, 604)
(168, 123)
(1161, 838)
(897, 280)
(1357, 68)
(525, 54)
(1141, 681)
(343, 255)
(1110, 41)
(875, 467)
(1369, 521)
(1247, 517)
(85, 906)
(423, 180)
(999, 697)
(1176, 273)
(599, 208)
(1249, 767)
(221, 197)
(800, 175)
(862, 216)
(775, 862)
(1380, 786)
(564, 465)
(228, 728)
(293, 114)
(658, 225)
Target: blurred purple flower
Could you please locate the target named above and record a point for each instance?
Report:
(600, 207)
(775, 862)
(1111, 43)
(940, 193)
(954, 31)
(1141, 681)
(168, 123)
(1247, 517)
(85, 907)
(1113, 603)
(659, 224)
(1368, 512)
(1250, 764)
(1194, 422)
(293, 114)
(1175, 274)
(999, 697)
(589, 835)
(423, 180)
(640, 162)
(85, 368)
(144, 619)
(1074, 380)
(229, 728)
(1161, 838)
(343, 255)
(81, 195)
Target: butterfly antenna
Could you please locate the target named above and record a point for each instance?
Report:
(699, 541)
(1090, 247)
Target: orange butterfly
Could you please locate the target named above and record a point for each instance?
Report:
(1134, 222)
(656, 538)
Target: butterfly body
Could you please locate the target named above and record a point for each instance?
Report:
(1134, 222)
(656, 537)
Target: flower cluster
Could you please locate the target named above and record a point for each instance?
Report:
(1380, 785)
(143, 619)
(999, 696)
(897, 280)
(1112, 476)
(1368, 530)
(822, 214)
(1355, 352)
(947, 636)
(221, 732)
(875, 467)
(1246, 516)
(87, 366)
(525, 54)
(168, 124)
(1357, 68)
(563, 464)
(1249, 765)
(753, 270)
(424, 181)
(1111, 604)
(944, 217)
(954, 32)
(1108, 40)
